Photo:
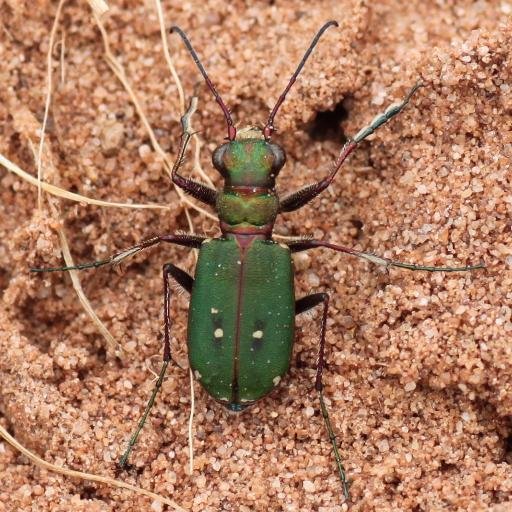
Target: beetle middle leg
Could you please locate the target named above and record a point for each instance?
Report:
(185, 240)
(306, 244)
(305, 304)
(186, 281)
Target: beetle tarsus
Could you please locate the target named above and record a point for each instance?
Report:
(337, 457)
(142, 421)
(385, 116)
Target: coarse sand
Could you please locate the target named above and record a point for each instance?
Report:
(419, 376)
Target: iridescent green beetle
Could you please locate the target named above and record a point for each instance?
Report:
(243, 307)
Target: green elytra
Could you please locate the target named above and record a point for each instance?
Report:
(241, 319)
(242, 307)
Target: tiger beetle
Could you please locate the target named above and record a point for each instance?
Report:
(242, 307)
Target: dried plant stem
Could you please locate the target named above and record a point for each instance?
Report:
(47, 103)
(191, 424)
(195, 138)
(118, 70)
(84, 476)
(73, 274)
(163, 34)
(84, 301)
(99, 7)
(60, 192)
(197, 166)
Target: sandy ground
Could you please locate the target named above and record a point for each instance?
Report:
(419, 374)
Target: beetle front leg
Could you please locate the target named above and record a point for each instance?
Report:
(303, 196)
(305, 244)
(302, 305)
(198, 190)
(186, 240)
(185, 281)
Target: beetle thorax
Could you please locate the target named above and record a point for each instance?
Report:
(249, 166)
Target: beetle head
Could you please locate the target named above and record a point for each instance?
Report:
(250, 160)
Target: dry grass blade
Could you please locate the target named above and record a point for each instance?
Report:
(163, 34)
(198, 144)
(195, 139)
(60, 192)
(191, 423)
(77, 286)
(99, 7)
(118, 70)
(73, 274)
(84, 476)
(64, 247)
(47, 104)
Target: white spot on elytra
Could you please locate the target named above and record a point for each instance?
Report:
(197, 375)
(218, 333)
(276, 380)
(214, 311)
(257, 334)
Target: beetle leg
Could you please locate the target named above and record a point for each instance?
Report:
(303, 196)
(305, 244)
(198, 190)
(186, 281)
(304, 304)
(169, 270)
(186, 240)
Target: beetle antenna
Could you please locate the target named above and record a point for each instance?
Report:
(209, 83)
(269, 127)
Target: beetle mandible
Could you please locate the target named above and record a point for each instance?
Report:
(242, 307)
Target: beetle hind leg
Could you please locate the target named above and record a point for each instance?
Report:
(186, 282)
(302, 305)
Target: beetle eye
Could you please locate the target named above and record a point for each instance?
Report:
(279, 158)
(218, 158)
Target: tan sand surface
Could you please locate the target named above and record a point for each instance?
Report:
(419, 376)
